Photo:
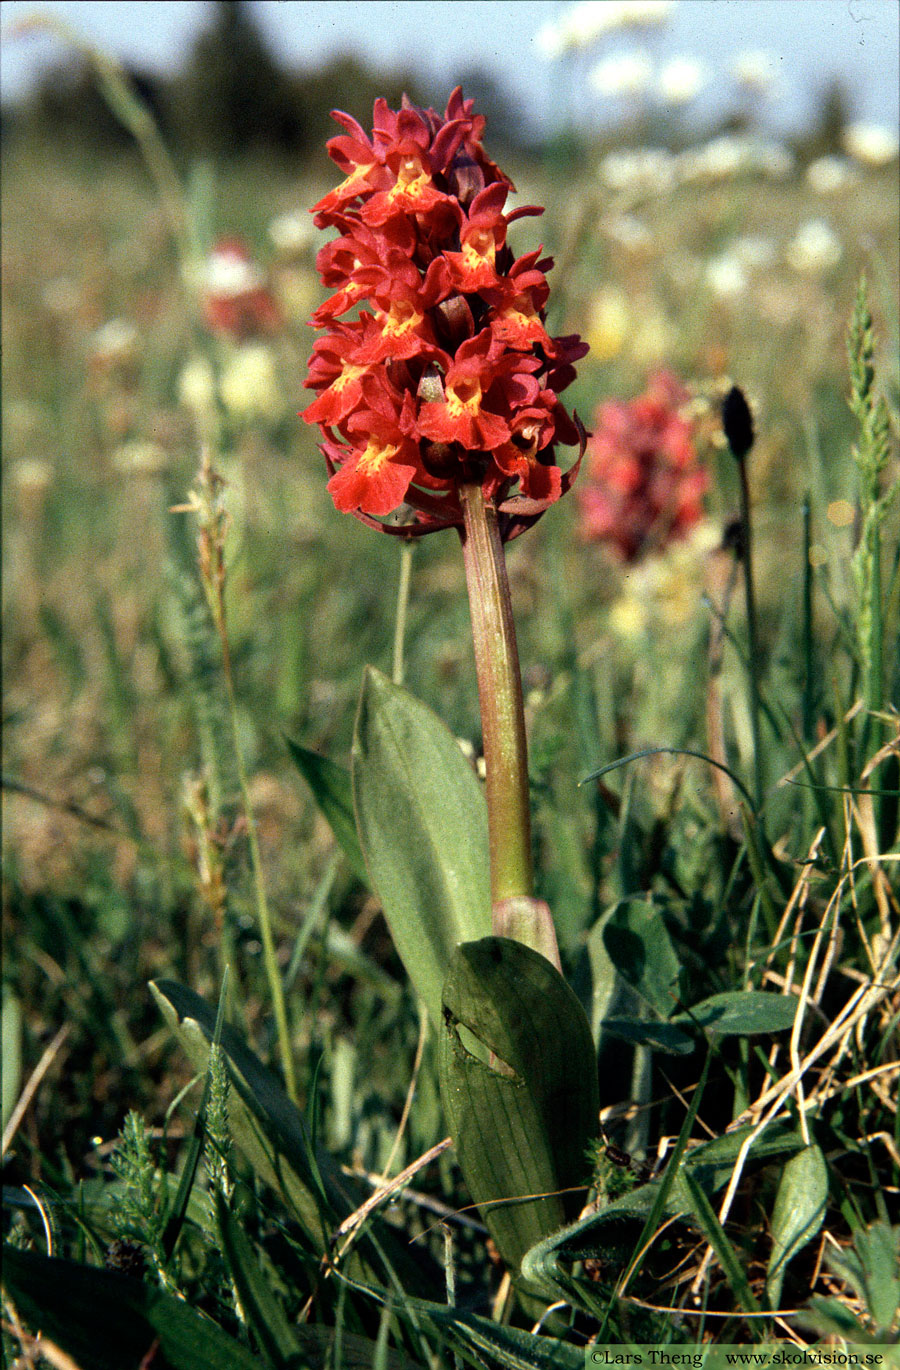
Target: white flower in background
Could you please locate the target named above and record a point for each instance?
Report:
(754, 251)
(725, 276)
(292, 233)
(681, 79)
(140, 457)
(31, 475)
(829, 174)
(580, 25)
(648, 168)
(249, 384)
(872, 144)
(629, 232)
(228, 270)
(815, 247)
(622, 73)
(732, 155)
(756, 72)
(114, 343)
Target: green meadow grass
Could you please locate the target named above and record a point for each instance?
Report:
(115, 699)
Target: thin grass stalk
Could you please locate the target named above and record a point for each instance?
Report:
(752, 633)
(213, 523)
(270, 959)
(500, 697)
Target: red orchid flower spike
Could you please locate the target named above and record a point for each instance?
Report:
(444, 372)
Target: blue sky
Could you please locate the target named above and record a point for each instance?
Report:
(811, 42)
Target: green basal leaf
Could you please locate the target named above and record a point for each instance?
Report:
(519, 1087)
(261, 1309)
(611, 1232)
(509, 1347)
(422, 823)
(271, 1133)
(265, 1124)
(741, 1013)
(797, 1215)
(332, 790)
(106, 1321)
(878, 1248)
(638, 945)
(659, 1036)
(11, 1044)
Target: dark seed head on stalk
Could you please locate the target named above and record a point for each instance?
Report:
(737, 422)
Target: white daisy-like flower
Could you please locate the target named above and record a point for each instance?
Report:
(649, 168)
(629, 232)
(826, 175)
(681, 79)
(814, 248)
(582, 24)
(622, 73)
(292, 232)
(725, 276)
(731, 155)
(872, 144)
(756, 71)
(754, 250)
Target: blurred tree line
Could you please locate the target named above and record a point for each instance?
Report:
(233, 96)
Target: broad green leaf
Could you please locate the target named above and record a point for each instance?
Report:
(332, 790)
(523, 1116)
(318, 1343)
(798, 1213)
(422, 823)
(106, 1320)
(612, 1232)
(707, 1220)
(270, 1132)
(11, 1040)
(638, 945)
(741, 1013)
(878, 1248)
(261, 1309)
(659, 1036)
(265, 1124)
(509, 1347)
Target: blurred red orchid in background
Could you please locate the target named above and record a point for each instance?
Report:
(237, 302)
(452, 377)
(644, 484)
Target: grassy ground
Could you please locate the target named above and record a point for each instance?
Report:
(113, 691)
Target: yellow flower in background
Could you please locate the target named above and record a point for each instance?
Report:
(249, 384)
(197, 387)
(665, 591)
(608, 323)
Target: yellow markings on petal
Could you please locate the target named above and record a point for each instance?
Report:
(375, 456)
(412, 180)
(479, 249)
(349, 373)
(350, 182)
(464, 398)
(401, 318)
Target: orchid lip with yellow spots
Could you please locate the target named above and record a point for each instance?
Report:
(444, 371)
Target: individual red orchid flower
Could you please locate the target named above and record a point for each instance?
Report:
(449, 347)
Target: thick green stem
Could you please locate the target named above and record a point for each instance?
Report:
(500, 696)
